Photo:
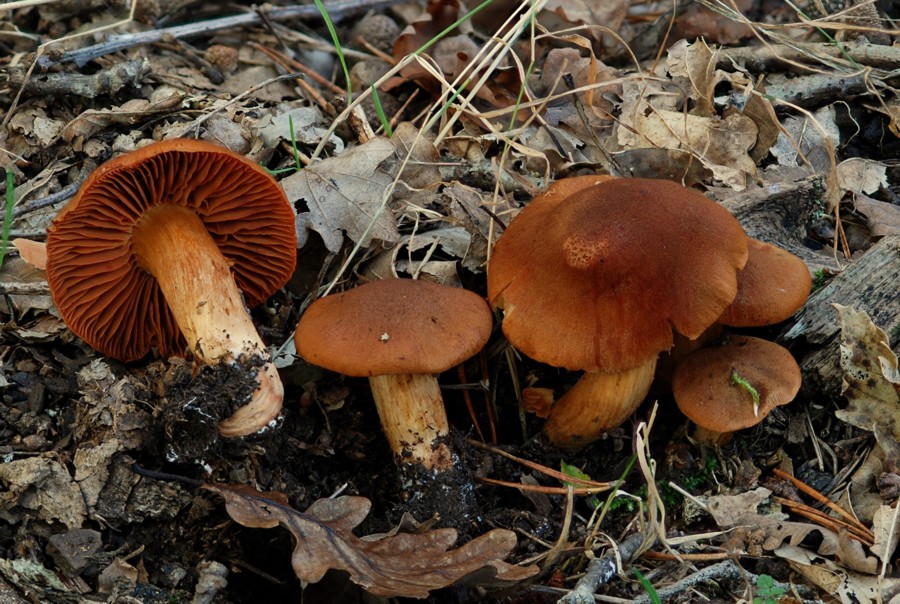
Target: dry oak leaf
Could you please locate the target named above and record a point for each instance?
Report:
(731, 511)
(346, 193)
(398, 565)
(870, 373)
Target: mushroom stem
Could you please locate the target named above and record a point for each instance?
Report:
(597, 403)
(413, 418)
(711, 437)
(173, 244)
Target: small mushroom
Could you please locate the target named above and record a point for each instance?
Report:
(597, 280)
(399, 333)
(772, 286)
(155, 250)
(734, 386)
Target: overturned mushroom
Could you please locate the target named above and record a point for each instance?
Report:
(598, 279)
(399, 333)
(155, 250)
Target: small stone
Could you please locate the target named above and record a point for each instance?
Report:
(378, 30)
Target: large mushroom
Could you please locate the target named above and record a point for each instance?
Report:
(155, 250)
(734, 386)
(399, 333)
(597, 281)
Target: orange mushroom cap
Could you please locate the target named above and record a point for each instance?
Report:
(598, 280)
(772, 286)
(102, 293)
(706, 392)
(392, 327)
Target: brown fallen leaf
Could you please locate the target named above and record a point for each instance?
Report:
(731, 511)
(346, 193)
(392, 565)
(882, 218)
(870, 373)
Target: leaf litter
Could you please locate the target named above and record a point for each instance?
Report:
(598, 91)
(399, 564)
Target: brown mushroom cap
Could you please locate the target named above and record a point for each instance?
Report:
(102, 293)
(394, 326)
(598, 280)
(772, 286)
(706, 393)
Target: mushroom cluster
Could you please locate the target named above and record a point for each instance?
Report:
(166, 247)
(600, 274)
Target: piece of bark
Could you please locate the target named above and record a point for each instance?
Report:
(782, 214)
(868, 284)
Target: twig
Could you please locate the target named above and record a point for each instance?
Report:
(461, 373)
(540, 488)
(802, 486)
(722, 570)
(601, 570)
(651, 555)
(762, 59)
(829, 522)
(287, 61)
(25, 289)
(542, 469)
(105, 82)
(337, 10)
(50, 200)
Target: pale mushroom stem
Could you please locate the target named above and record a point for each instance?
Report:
(173, 245)
(597, 403)
(711, 437)
(413, 418)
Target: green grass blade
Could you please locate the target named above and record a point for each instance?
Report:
(648, 587)
(8, 215)
(385, 122)
(337, 46)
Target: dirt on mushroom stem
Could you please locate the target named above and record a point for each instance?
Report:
(194, 404)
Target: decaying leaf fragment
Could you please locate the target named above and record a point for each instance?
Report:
(741, 510)
(401, 564)
(870, 373)
(346, 193)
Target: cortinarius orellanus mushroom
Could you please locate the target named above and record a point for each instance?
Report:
(734, 386)
(598, 280)
(155, 250)
(399, 333)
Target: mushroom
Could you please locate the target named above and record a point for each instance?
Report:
(771, 287)
(155, 250)
(597, 281)
(399, 333)
(734, 386)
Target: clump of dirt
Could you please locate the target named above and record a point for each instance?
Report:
(196, 401)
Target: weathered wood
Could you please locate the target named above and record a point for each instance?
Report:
(869, 284)
(782, 214)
